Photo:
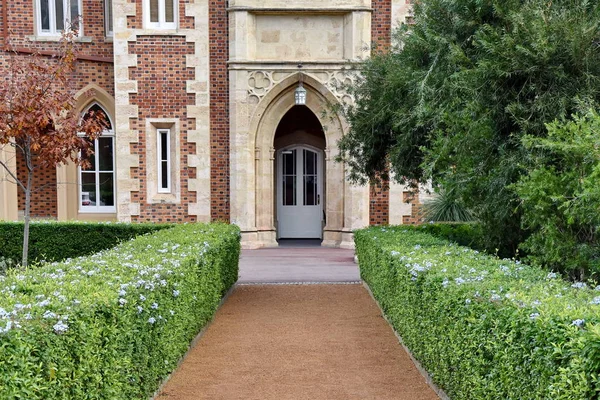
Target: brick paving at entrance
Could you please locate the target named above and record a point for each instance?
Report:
(298, 341)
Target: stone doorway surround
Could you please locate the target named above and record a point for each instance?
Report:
(273, 46)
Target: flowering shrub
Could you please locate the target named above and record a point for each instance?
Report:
(55, 241)
(484, 327)
(114, 324)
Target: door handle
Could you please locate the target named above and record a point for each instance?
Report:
(318, 199)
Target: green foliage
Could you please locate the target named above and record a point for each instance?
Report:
(561, 198)
(445, 206)
(462, 86)
(56, 241)
(114, 324)
(483, 327)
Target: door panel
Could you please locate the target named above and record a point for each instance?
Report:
(299, 193)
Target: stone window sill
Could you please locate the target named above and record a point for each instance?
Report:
(56, 38)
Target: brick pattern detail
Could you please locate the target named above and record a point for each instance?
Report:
(416, 216)
(21, 22)
(381, 36)
(379, 206)
(219, 109)
(161, 75)
(43, 199)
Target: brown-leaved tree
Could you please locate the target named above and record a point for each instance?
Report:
(39, 117)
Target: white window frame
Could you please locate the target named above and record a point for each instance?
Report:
(161, 24)
(108, 18)
(98, 208)
(160, 161)
(53, 31)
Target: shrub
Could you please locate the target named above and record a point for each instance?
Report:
(446, 206)
(114, 324)
(560, 198)
(56, 241)
(484, 328)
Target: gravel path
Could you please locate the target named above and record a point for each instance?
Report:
(298, 342)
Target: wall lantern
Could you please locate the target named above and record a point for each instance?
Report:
(300, 94)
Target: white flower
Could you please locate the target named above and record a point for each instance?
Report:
(495, 297)
(122, 293)
(551, 275)
(60, 327)
(579, 285)
(534, 315)
(142, 297)
(578, 322)
(596, 300)
(459, 280)
(176, 293)
(122, 302)
(468, 301)
(154, 306)
(49, 314)
(151, 320)
(172, 312)
(140, 309)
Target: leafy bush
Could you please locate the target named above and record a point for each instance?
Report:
(446, 206)
(461, 87)
(114, 324)
(560, 198)
(484, 328)
(55, 241)
(465, 234)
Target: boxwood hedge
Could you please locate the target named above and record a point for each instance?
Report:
(114, 324)
(55, 241)
(484, 327)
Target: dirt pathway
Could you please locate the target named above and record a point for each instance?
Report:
(298, 342)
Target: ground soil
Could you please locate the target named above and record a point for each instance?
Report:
(298, 342)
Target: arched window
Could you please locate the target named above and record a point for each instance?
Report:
(97, 182)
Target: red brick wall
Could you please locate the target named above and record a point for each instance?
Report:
(381, 36)
(43, 198)
(416, 216)
(161, 75)
(219, 109)
(21, 24)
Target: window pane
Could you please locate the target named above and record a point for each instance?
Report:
(45, 15)
(153, 10)
(107, 193)
(310, 162)
(109, 17)
(74, 10)
(88, 189)
(90, 156)
(310, 190)
(60, 15)
(169, 10)
(105, 153)
(289, 163)
(164, 171)
(289, 190)
(164, 146)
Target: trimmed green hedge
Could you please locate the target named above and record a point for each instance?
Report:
(56, 241)
(484, 328)
(112, 325)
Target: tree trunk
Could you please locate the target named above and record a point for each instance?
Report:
(27, 218)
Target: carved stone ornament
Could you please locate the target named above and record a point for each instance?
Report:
(260, 83)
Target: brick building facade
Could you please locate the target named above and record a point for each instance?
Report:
(197, 92)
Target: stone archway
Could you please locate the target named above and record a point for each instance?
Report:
(252, 169)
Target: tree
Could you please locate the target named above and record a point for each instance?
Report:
(464, 83)
(38, 117)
